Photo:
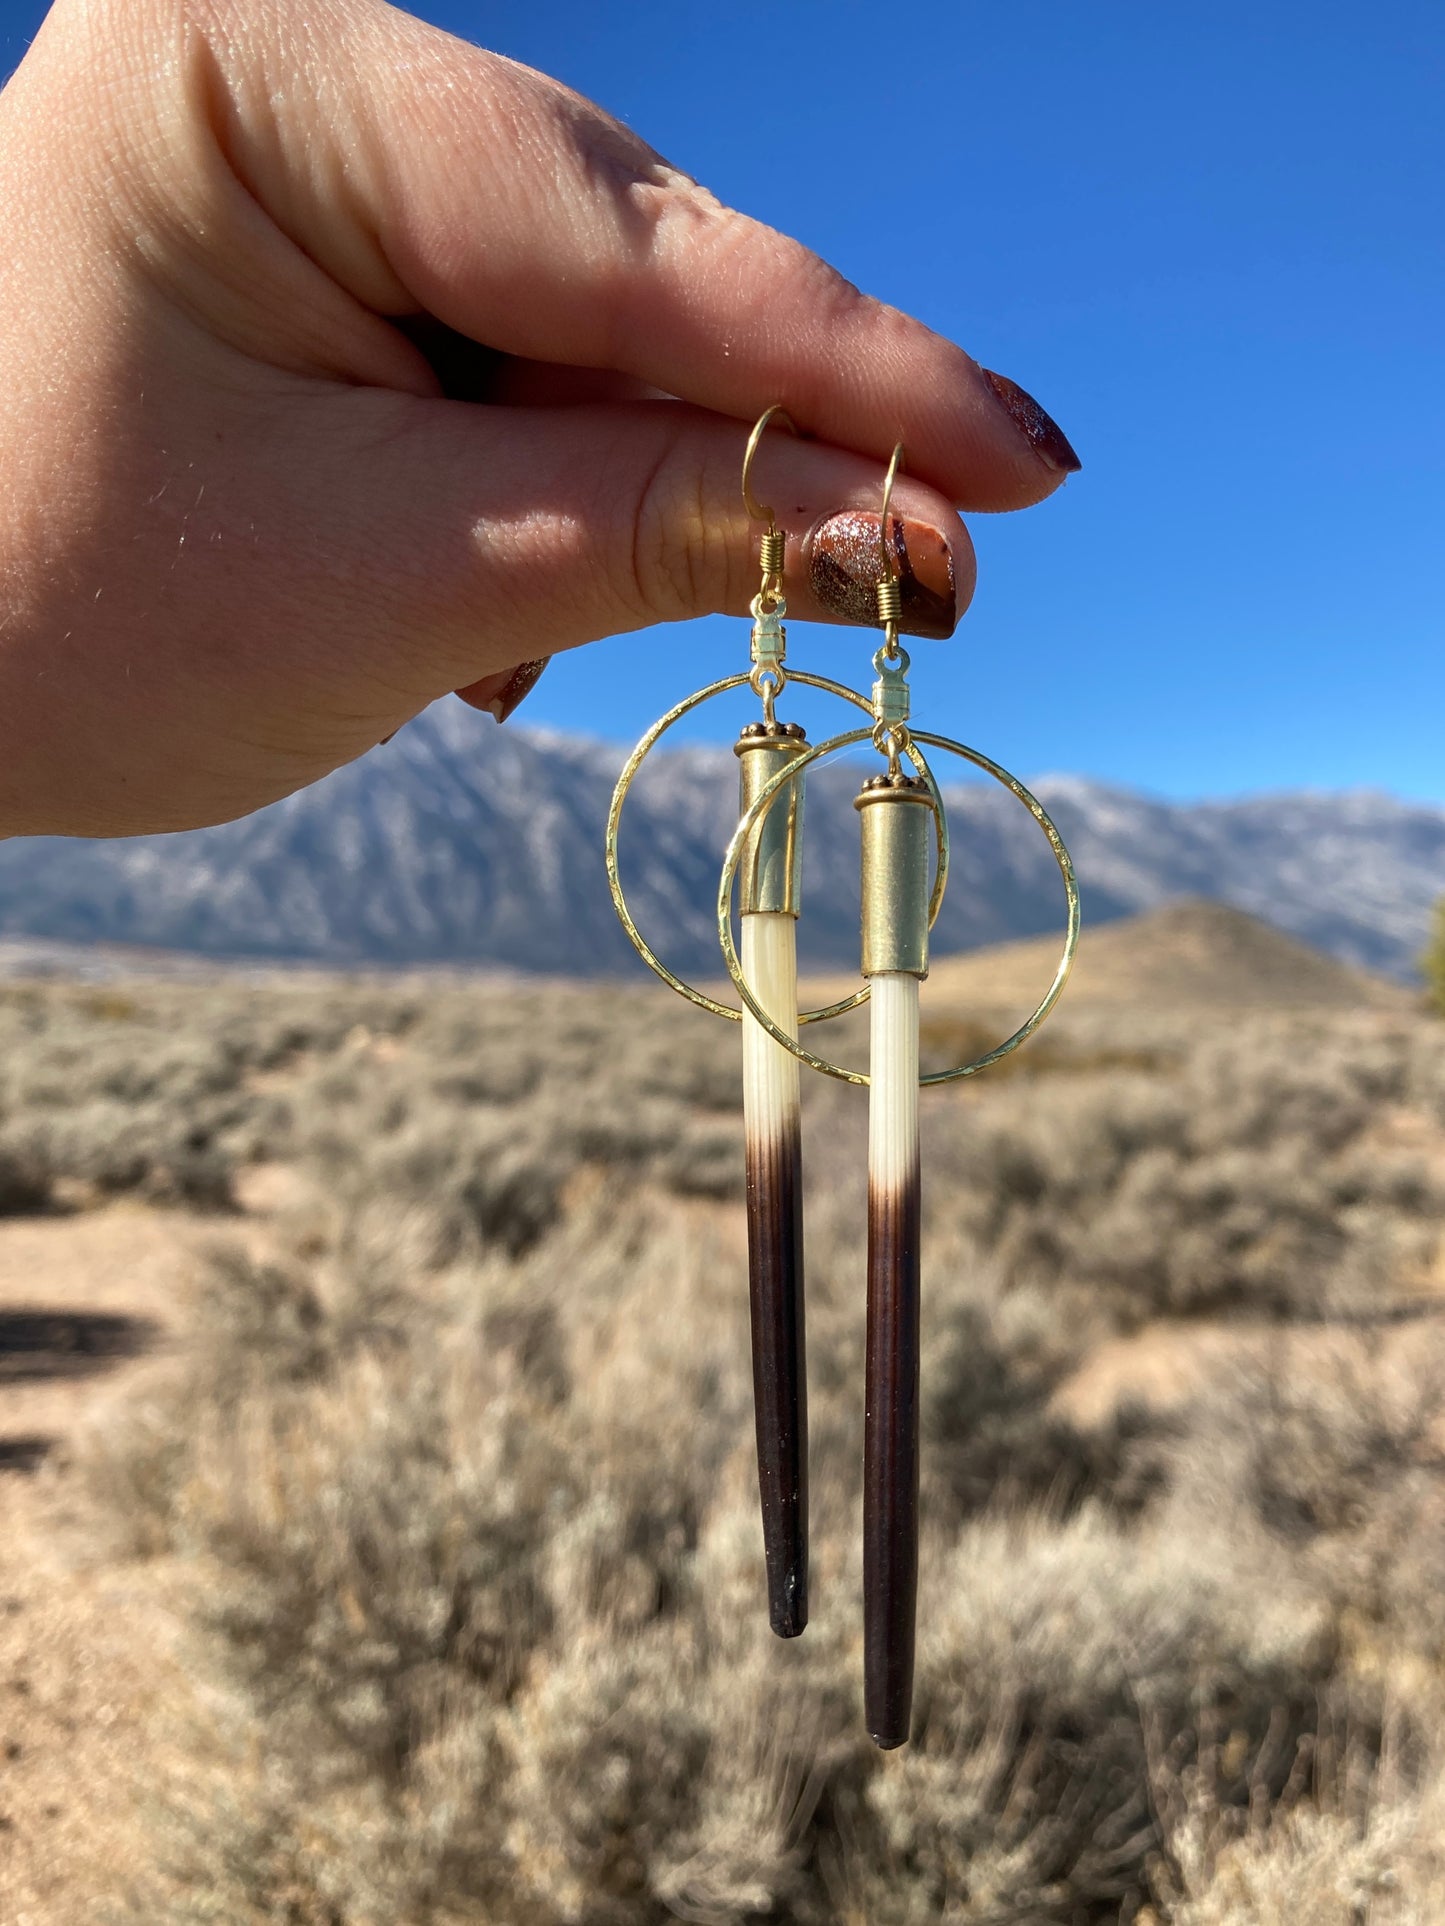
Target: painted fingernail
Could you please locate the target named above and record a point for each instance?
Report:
(520, 684)
(845, 564)
(1040, 430)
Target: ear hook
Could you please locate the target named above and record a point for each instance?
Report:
(769, 606)
(890, 572)
(756, 509)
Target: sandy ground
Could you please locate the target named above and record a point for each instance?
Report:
(92, 1665)
(87, 1651)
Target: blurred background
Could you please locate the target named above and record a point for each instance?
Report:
(377, 1493)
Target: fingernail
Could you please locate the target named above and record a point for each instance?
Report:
(845, 565)
(1040, 430)
(520, 684)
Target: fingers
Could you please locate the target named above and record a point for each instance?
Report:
(256, 538)
(340, 558)
(421, 172)
(497, 537)
(466, 371)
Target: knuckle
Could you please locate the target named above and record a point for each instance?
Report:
(677, 559)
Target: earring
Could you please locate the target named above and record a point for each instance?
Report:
(770, 893)
(769, 866)
(893, 811)
(901, 814)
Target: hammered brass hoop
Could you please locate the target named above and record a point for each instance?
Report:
(762, 800)
(624, 783)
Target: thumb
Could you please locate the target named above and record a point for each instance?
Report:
(495, 537)
(354, 554)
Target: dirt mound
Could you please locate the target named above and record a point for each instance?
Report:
(1187, 955)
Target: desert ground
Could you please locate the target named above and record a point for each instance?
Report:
(379, 1516)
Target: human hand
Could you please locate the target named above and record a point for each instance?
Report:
(252, 250)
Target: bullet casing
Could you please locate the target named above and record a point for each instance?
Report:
(896, 817)
(770, 872)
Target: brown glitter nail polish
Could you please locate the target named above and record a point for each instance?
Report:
(844, 567)
(1040, 430)
(524, 678)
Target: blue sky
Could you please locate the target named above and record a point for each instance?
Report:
(1210, 241)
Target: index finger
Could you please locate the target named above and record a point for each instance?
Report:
(421, 171)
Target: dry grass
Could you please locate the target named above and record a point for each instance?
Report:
(460, 1471)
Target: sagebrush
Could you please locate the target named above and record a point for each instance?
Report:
(460, 1468)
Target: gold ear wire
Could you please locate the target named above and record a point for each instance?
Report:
(774, 541)
(756, 509)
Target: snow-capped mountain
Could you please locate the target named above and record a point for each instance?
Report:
(464, 844)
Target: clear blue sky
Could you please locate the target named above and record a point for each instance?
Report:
(1212, 241)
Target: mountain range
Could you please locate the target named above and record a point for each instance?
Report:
(458, 843)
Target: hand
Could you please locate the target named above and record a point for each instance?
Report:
(253, 252)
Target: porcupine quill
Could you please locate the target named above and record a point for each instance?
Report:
(773, 1137)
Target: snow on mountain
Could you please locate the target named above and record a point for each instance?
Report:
(464, 844)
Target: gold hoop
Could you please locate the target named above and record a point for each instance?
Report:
(762, 801)
(755, 508)
(614, 817)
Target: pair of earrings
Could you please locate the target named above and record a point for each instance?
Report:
(904, 834)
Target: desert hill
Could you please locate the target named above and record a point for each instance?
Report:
(1189, 955)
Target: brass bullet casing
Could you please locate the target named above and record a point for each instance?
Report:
(770, 874)
(896, 813)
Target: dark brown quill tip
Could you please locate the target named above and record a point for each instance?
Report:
(788, 1605)
(890, 1462)
(1039, 429)
(780, 1382)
